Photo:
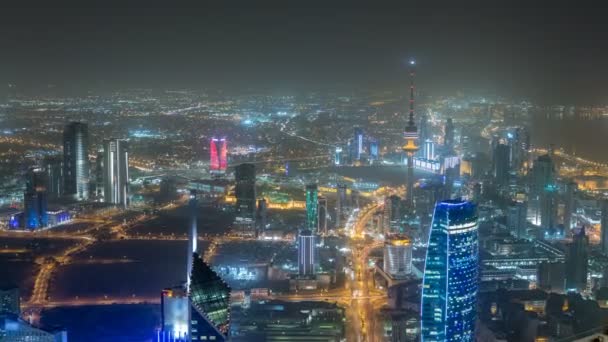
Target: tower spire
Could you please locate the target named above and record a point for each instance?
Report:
(410, 135)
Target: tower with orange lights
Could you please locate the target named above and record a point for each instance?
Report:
(411, 135)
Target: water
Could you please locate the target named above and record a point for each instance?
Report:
(586, 138)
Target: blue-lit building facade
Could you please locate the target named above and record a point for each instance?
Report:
(450, 284)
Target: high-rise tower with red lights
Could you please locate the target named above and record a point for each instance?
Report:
(411, 135)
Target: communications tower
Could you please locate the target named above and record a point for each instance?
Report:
(411, 135)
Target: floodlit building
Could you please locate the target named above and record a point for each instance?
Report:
(312, 209)
(449, 292)
(116, 172)
(398, 256)
(76, 160)
(306, 253)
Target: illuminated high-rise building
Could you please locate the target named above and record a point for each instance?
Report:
(577, 262)
(312, 207)
(338, 159)
(428, 150)
(411, 135)
(209, 304)
(548, 208)
(218, 152)
(175, 312)
(306, 253)
(340, 203)
(35, 199)
(398, 256)
(192, 234)
(54, 175)
(116, 172)
(373, 149)
(245, 191)
(76, 160)
(517, 219)
(543, 174)
(322, 220)
(569, 204)
(358, 146)
(449, 292)
(604, 226)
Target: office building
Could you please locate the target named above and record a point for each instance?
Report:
(312, 210)
(14, 329)
(338, 158)
(577, 260)
(9, 300)
(245, 191)
(517, 219)
(35, 199)
(501, 164)
(218, 152)
(99, 175)
(209, 304)
(76, 160)
(192, 234)
(449, 135)
(398, 256)
(53, 166)
(428, 150)
(322, 220)
(373, 150)
(262, 215)
(543, 174)
(174, 310)
(116, 172)
(449, 292)
(548, 209)
(306, 253)
(604, 226)
(340, 204)
(358, 144)
(569, 205)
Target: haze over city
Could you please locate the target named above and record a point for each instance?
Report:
(303, 172)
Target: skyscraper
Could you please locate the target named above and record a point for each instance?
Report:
(209, 304)
(338, 159)
(35, 199)
(76, 160)
(245, 190)
(548, 209)
(577, 262)
(569, 204)
(262, 214)
(174, 311)
(312, 209)
(192, 234)
(501, 164)
(306, 253)
(398, 256)
(449, 135)
(116, 172)
(54, 175)
(358, 143)
(516, 219)
(543, 174)
(411, 136)
(218, 151)
(340, 203)
(428, 150)
(322, 220)
(604, 225)
(449, 292)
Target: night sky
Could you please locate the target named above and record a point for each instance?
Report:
(546, 54)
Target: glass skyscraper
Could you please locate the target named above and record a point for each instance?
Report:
(116, 172)
(449, 292)
(76, 160)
